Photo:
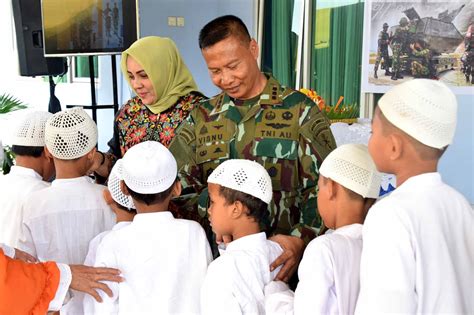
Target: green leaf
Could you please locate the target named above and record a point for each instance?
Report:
(9, 103)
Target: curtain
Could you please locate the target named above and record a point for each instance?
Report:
(279, 42)
(337, 53)
(82, 67)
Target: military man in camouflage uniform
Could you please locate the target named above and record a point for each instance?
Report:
(399, 40)
(255, 118)
(421, 68)
(382, 51)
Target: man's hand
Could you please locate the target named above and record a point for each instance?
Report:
(226, 239)
(292, 252)
(21, 255)
(87, 279)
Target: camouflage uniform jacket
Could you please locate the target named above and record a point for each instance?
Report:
(282, 129)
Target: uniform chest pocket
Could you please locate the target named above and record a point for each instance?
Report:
(276, 146)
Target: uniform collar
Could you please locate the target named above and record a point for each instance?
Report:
(422, 180)
(152, 217)
(351, 230)
(75, 181)
(271, 95)
(247, 242)
(25, 171)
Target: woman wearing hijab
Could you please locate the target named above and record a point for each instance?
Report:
(165, 95)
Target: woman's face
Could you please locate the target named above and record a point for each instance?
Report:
(140, 82)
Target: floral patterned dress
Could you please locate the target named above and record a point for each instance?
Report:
(135, 123)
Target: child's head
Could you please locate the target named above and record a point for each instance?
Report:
(414, 122)
(348, 185)
(239, 191)
(149, 174)
(121, 204)
(28, 143)
(71, 135)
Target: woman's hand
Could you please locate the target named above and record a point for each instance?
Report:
(24, 256)
(292, 251)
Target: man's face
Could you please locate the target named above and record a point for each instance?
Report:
(233, 67)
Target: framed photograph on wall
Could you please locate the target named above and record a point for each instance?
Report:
(431, 39)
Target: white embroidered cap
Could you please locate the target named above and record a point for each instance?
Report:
(149, 168)
(70, 134)
(30, 131)
(113, 183)
(351, 166)
(243, 175)
(424, 109)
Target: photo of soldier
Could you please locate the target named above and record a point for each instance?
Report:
(467, 58)
(398, 42)
(422, 65)
(382, 51)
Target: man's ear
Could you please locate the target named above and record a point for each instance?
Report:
(107, 196)
(91, 154)
(237, 210)
(331, 188)
(46, 153)
(124, 188)
(254, 49)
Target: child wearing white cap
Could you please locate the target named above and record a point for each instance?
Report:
(349, 184)
(124, 210)
(59, 221)
(239, 194)
(33, 168)
(163, 259)
(418, 253)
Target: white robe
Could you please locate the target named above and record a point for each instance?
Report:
(328, 277)
(60, 221)
(163, 261)
(75, 304)
(235, 281)
(418, 254)
(14, 188)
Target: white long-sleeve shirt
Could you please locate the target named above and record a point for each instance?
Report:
(235, 281)
(328, 276)
(418, 253)
(75, 304)
(14, 188)
(60, 221)
(163, 261)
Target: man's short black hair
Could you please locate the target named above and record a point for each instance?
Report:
(151, 199)
(23, 150)
(256, 207)
(221, 28)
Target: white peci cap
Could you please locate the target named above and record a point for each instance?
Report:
(70, 134)
(149, 168)
(113, 183)
(30, 131)
(351, 166)
(424, 109)
(246, 176)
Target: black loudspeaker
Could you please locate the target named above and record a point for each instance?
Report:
(29, 37)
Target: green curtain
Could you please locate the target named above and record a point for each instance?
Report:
(337, 53)
(279, 43)
(82, 67)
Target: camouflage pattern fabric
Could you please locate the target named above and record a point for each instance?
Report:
(421, 68)
(282, 129)
(399, 40)
(382, 50)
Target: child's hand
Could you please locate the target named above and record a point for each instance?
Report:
(226, 239)
(292, 252)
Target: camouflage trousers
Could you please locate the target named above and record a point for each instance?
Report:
(396, 62)
(381, 53)
(419, 70)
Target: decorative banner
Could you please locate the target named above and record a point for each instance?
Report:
(418, 39)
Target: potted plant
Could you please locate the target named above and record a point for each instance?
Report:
(8, 104)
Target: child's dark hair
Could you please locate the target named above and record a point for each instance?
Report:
(27, 150)
(151, 199)
(257, 209)
(119, 206)
(221, 28)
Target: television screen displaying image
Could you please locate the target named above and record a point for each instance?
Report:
(78, 27)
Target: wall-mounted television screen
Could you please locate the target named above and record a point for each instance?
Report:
(88, 27)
